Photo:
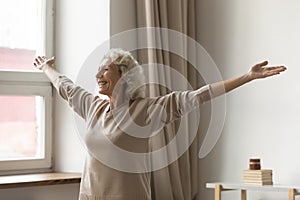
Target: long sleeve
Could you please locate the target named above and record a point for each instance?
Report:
(78, 98)
(172, 106)
(190, 100)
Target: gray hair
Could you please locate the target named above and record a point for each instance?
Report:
(131, 71)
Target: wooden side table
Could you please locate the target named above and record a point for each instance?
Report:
(223, 187)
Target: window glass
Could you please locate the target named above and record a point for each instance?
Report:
(19, 127)
(26, 29)
(19, 33)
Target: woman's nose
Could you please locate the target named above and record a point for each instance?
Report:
(99, 74)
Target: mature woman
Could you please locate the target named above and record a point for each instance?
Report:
(120, 78)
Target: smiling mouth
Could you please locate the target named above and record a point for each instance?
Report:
(102, 83)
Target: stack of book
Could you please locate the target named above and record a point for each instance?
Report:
(258, 177)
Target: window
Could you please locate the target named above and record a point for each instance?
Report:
(25, 93)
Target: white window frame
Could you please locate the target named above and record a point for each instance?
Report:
(17, 82)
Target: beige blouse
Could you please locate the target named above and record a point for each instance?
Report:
(103, 180)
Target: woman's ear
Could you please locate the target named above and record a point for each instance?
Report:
(122, 81)
(124, 86)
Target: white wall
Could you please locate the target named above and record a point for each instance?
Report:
(80, 27)
(262, 117)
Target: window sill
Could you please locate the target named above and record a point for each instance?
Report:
(43, 179)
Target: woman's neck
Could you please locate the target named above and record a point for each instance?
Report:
(119, 97)
(115, 102)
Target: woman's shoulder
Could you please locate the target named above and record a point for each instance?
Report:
(99, 101)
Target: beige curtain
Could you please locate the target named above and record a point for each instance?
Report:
(180, 179)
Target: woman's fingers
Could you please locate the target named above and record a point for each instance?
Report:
(277, 69)
(264, 63)
(274, 70)
(40, 61)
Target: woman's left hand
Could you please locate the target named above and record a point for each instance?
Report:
(260, 71)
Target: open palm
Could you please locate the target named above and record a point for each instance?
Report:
(260, 71)
(41, 61)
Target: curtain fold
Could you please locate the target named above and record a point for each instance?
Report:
(180, 179)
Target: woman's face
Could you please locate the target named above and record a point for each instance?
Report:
(107, 77)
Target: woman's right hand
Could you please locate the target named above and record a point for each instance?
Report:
(41, 61)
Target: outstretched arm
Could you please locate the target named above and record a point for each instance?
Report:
(78, 98)
(46, 64)
(258, 71)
